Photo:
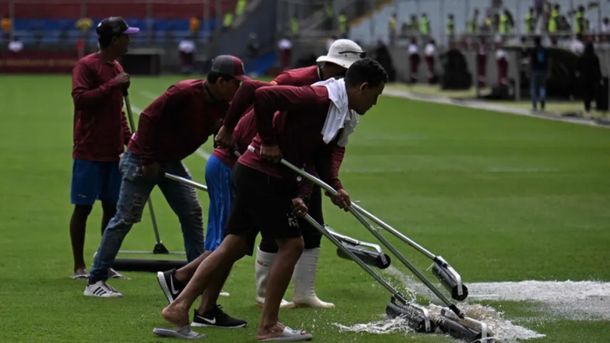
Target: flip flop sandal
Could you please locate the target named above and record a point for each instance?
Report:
(183, 333)
(288, 335)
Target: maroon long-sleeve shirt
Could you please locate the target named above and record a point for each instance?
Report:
(244, 127)
(177, 123)
(296, 128)
(100, 127)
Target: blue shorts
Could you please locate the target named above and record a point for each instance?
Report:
(92, 180)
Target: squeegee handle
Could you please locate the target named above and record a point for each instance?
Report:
(358, 208)
(186, 181)
(129, 112)
(324, 231)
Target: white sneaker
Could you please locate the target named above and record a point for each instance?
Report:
(101, 289)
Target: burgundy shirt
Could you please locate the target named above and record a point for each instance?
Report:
(100, 127)
(244, 98)
(297, 130)
(242, 136)
(177, 123)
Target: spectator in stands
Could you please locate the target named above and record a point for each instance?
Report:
(253, 46)
(577, 47)
(450, 26)
(186, 49)
(482, 62)
(539, 65)
(413, 52)
(530, 21)
(227, 21)
(83, 25)
(473, 23)
(343, 26)
(553, 22)
(194, 26)
(392, 28)
(424, 25)
(430, 58)
(294, 26)
(605, 29)
(506, 22)
(6, 25)
(580, 21)
(240, 8)
(501, 64)
(100, 132)
(285, 47)
(589, 75)
(15, 45)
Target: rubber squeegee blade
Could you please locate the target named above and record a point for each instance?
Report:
(466, 328)
(416, 316)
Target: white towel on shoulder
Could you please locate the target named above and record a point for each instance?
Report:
(339, 115)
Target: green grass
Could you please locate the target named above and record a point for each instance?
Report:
(504, 198)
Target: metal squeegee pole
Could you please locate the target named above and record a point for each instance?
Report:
(383, 240)
(186, 181)
(322, 230)
(364, 212)
(355, 258)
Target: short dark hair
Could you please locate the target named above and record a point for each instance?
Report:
(365, 70)
(214, 75)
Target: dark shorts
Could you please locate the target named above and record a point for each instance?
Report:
(262, 203)
(311, 235)
(93, 180)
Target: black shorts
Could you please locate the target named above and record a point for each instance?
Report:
(262, 203)
(311, 235)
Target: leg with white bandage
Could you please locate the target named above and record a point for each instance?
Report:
(304, 276)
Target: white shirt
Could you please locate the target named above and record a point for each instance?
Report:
(186, 46)
(284, 44)
(430, 49)
(15, 46)
(412, 49)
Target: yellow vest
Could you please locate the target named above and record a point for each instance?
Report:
(504, 27)
(552, 25)
(424, 25)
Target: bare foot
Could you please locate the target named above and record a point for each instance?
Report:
(269, 330)
(176, 315)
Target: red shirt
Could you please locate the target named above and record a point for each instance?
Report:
(242, 136)
(296, 129)
(100, 126)
(245, 128)
(177, 123)
(299, 77)
(244, 98)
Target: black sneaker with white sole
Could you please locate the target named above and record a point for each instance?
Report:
(216, 317)
(169, 285)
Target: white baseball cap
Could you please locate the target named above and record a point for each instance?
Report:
(343, 52)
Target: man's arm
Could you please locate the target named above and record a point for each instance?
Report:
(241, 102)
(328, 164)
(83, 93)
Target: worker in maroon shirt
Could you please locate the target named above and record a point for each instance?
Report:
(170, 129)
(100, 132)
(342, 53)
(313, 124)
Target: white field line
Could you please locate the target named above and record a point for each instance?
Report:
(488, 106)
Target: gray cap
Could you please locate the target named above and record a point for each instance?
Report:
(229, 65)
